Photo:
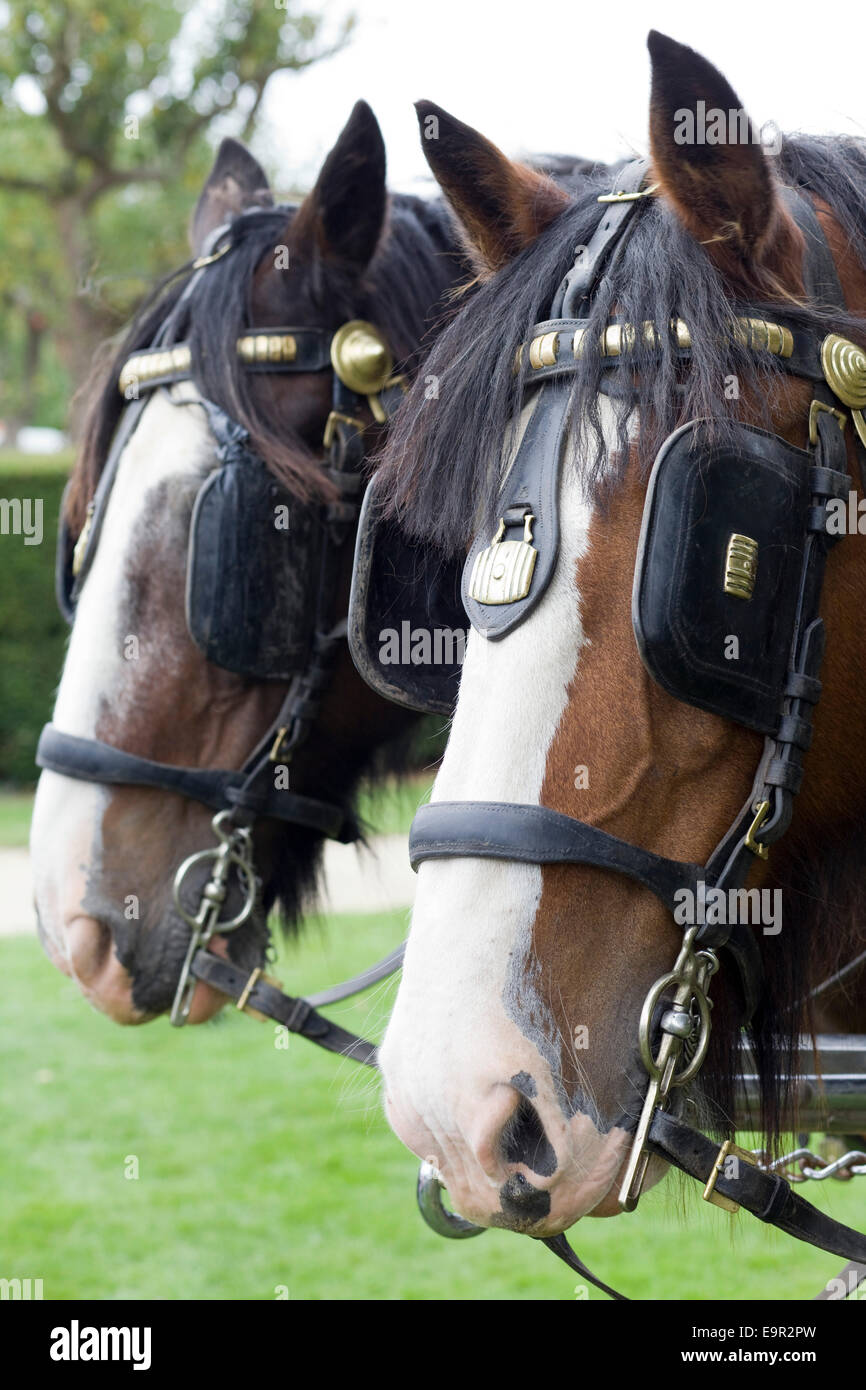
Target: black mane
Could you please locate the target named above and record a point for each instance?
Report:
(438, 462)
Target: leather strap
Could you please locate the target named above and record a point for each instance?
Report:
(560, 1247)
(766, 1195)
(531, 487)
(582, 280)
(295, 1014)
(538, 835)
(91, 760)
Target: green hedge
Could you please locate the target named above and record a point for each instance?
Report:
(32, 632)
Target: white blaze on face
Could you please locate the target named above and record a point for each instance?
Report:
(453, 1042)
(168, 442)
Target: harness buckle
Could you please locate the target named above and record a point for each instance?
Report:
(243, 1000)
(336, 418)
(761, 813)
(814, 410)
(729, 1150)
(628, 197)
(277, 744)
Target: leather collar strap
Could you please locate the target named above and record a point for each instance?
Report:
(297, 1015)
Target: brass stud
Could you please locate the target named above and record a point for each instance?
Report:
(361, 357)
(543, 350)
(844, 365)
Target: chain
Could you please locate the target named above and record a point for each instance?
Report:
(802, 1165)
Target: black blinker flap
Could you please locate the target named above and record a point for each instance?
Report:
(719, 650)
(252, 573)
(407, 623)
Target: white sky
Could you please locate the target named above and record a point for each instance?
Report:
(549, 76)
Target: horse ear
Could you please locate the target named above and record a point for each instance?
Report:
(722, 191)
(237, 181)
(501, 206)
(345, 211)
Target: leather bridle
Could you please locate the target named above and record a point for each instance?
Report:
(539, 835)
(242, 796)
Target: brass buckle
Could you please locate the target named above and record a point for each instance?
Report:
(335, 418)
(628, 197)
(729, 1149)
(762, 851)
(814, 408)
(380, 415)
(278, 743)
(243, 1001)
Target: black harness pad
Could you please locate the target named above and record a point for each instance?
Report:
(251, 582)
(405, 604)
(710, 648)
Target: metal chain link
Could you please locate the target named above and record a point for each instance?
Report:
(801, 1165)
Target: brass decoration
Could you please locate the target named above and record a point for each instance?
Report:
(681, 332)
(80, 549)
(361, 357)
(741, 566)
(763, 336)
(267, 347)
(502, 573)
(147, 367)
(844, 365)
(209, 260)
(543, 350)
(628, 197)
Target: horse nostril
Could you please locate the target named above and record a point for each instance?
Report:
(521, 1201)
(523, 1140)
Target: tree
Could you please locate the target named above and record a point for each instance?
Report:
(104, 112)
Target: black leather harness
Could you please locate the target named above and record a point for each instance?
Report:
(540, 835)
(249, 793)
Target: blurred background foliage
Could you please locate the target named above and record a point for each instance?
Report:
(108, 117)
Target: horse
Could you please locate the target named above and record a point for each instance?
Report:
(149, 723)
(547, 997)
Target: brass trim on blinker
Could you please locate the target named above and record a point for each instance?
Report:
(741, 566)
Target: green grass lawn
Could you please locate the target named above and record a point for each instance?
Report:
(260, 1168)
(16, 808)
